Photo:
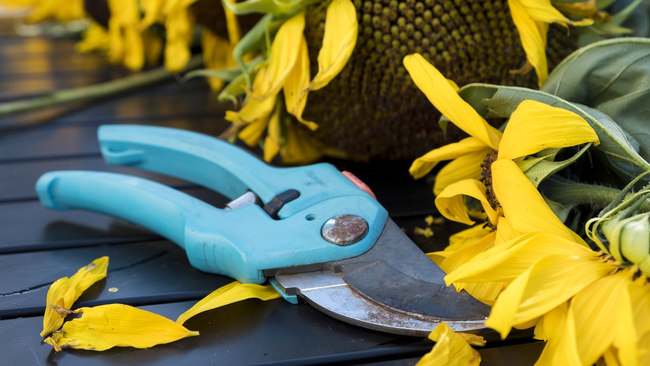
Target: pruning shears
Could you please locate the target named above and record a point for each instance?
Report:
(313, 232)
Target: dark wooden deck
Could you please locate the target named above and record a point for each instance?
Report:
(38, 246)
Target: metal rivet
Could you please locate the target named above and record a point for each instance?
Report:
(344, 229)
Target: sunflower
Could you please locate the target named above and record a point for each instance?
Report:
(585, 303)
(361, 94)
(532, 128)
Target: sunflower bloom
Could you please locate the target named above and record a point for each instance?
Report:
(62, 11)
(532, 128)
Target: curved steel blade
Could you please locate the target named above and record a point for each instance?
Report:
(393, 287)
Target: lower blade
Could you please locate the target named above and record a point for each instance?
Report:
(393, 287)
(329, 293)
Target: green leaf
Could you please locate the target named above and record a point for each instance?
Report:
(544, 168)
(558, 209)
(443, 122)
(505, 99)
(624, 14)
(602, 4)
(611, 77)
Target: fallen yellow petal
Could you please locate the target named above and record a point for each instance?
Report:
(452, 348)
(229, 294)
(65, 291)
(118, 325)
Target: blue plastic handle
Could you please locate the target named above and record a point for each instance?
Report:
(220, 166)
(239, 243)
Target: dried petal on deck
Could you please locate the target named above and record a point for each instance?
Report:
(118, 325)
(65, 291)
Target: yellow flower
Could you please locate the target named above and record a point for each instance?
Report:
(532, 128)
(65, 291)
(532, 17)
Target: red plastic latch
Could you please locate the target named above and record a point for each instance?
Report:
(357, 182)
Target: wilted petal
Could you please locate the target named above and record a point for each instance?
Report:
(300, 148)
(273, 141)
(340, 37)
(118, 325)
(536, 126)
(179, 24)
(254, 109)
(297, 81)
(217, 54)
(443, 96)
(228, 294)
(544, 286)
(65, 291)
(252, 133)
(283, 57)
(451, 201)
(532, 39)
(464, 167)
(451, 349)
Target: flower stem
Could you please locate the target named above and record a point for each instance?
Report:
(92, 92)
(570, 193)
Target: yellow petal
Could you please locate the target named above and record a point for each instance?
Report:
(561, 348)
(451, 201)
(234, 32)
(228, 294)
(95, 38)
(118, 325)
(65, 291)
(505, 231)
(282, 58)
(340, 37)
(217, 54)
(451, 348)
(544, 11)
(607, 301)
(507, 261)
(297, 81)
(448, 102)
(273, 141)
(465, 167)
(153, 12)
(253, 110)
(301, 148)
(253, 132)
(522, 204)
(469, 236)
(544, 286)
(532, 39)
(423, 165)
(179, 26)
(536, 126)
(550, 322)
(466, 253)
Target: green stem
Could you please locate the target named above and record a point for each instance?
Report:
(570, 193)
(97, 91)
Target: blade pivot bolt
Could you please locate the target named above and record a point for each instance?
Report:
(344, 229)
